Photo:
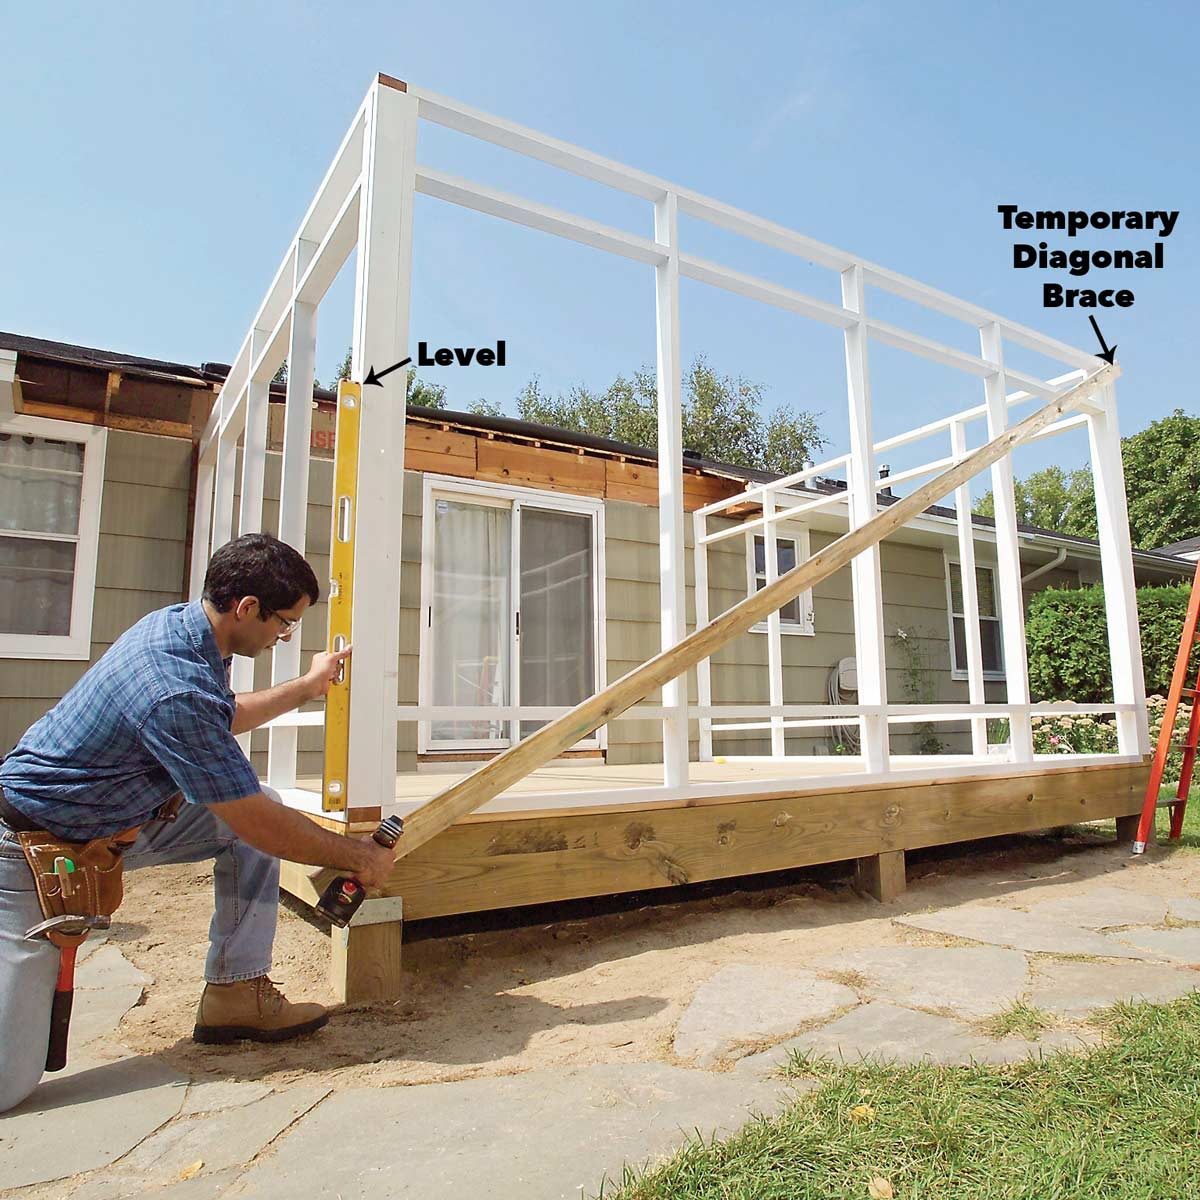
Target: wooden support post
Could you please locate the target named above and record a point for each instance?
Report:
(673, 614)
(881, 875)
(1008, 555)
(365, 964)
(866, 573)
(293, 498)
(381, 310)
(970, 593)
(201, 527)
(774, 640)
(704, 666)
(1127, 828)
(1116, 560)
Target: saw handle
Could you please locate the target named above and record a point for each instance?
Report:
(60, 1009)
(344, 895)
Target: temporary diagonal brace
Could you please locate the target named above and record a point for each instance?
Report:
(341, 594)
(489, 781)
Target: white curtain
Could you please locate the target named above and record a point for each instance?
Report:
(472, 615)
(41, 482)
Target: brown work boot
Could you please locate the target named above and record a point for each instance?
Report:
(253, 1010)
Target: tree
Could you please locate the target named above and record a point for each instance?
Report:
(1162, 480)
(1052, 499)
(418, 391)
(1162, 488)
(281, 374)
(723, 417)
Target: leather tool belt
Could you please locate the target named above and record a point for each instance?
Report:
(79, 884)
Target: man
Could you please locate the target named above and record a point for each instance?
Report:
(152, 719)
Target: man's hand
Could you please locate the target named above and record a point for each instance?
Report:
(324, 670)
(377, 864)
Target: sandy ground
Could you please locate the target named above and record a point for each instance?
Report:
(572, 988)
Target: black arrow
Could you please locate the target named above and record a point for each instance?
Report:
(372, 377)
(1107, 353)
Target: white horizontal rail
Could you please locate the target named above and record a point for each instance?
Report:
(441, 110)
(341, 180)
(929, 468)
(754, 288)
(450, 113)
(759, 490)
(520, 211)
(781, 514)
(955, 711)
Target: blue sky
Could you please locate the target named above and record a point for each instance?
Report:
(159, 158)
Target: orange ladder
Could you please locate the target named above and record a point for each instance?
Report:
(1179, 688)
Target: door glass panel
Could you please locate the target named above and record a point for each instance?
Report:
(557, 656)
(471, 618)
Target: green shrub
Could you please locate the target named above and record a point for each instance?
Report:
(1067, 638)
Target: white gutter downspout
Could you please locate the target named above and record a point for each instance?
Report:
(1056, 561)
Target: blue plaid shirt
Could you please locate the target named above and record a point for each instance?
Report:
(153, 717)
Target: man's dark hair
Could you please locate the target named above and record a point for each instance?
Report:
(256, 564)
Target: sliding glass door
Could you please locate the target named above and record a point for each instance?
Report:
(556, 652)
(511, 614)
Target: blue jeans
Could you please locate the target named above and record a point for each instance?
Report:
(242, 933)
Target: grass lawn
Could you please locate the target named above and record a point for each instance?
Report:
(1118, 1122)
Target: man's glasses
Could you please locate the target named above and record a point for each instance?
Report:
(289, 623)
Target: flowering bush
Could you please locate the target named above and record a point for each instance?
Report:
(1098, 735)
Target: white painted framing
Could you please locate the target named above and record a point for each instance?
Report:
(77, 644)
(365, 202)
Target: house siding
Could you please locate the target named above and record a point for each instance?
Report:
(144, 519)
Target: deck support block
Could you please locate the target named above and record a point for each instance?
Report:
(365, 964)
(881, 875)
(1127, 830)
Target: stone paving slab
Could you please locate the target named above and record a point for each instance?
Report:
(1104, 908)
(887, 1033)
(1077, 989)
(219, 1140)
(1185, 908)
(108, 967)
(544, 1135)
(973, 981)
(1182, 945)
(216, 1094)
(98, 1011)
(1021, 931)
(107, 1107)
(743, 1005)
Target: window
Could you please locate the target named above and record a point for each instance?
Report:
(989, 621)
(51, 476)
(512, 604)
(796, 616)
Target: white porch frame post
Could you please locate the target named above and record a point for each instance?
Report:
(704, 666)
(1116, 564)
(866, 571)
(293, 498)
(774, 640)
(201, 527)
(381, 312)
(672, 602)
(226, 471)
(1008, 555)
(254, 465)
(970, 593)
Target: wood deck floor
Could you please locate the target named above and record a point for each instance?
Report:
(571, 785)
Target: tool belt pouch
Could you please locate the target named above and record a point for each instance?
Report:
(93, 889)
